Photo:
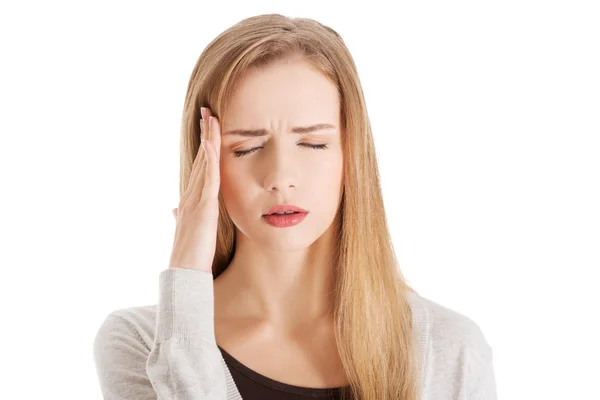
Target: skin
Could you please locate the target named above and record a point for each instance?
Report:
(276, 292)
(275, 296)
(282, 275)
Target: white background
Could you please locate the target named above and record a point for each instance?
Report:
(486, 117)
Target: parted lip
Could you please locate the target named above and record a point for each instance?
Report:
(283, 208)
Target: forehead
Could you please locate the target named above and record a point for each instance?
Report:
(285, 91)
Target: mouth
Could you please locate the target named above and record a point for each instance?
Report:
(284, 220)
(286, 213)
(285, 209)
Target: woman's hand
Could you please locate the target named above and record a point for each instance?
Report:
(198, 212)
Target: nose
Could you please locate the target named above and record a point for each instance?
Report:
(279, 180)
(281, 172)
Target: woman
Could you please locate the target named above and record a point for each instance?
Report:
(260, 304)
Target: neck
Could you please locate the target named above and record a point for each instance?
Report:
(282, 290)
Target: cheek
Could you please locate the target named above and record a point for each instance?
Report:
(328, 170)
(324, 180)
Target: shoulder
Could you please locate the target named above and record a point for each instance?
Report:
(455, 353)
(130, 324)
(182, 292)
(444, 327)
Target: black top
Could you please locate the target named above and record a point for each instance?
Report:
(254, 386)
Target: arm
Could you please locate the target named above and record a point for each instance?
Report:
(480, 379)
(184, 362)
(120, 358)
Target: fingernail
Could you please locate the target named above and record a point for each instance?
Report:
(203, 112)
(210, 122)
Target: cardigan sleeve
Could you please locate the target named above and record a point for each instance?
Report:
(184, 361)
(120, 357)
(480, 377)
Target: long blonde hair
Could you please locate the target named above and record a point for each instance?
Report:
(373, 320)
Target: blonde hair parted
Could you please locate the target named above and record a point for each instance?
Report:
(373, 320)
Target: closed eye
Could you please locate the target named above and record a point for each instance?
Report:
(241, 153)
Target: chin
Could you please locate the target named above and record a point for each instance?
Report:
(275, 239)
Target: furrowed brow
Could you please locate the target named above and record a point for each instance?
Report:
(263, 132)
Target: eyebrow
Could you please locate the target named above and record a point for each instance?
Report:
(263, 132)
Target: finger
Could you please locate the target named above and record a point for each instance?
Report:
(175, 213)
(214, 133)
(212, 173)
(196, 186)
(215, 137)
(198, 181)
(207, 126)
(197, 169)
(202, 153)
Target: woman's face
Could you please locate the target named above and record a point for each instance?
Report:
(281, 167)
